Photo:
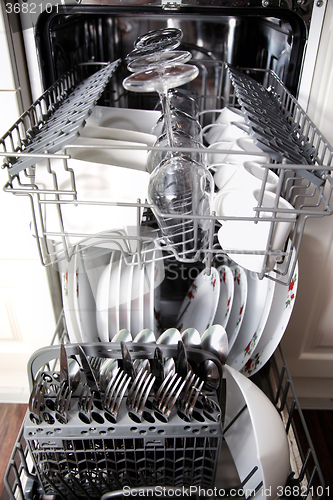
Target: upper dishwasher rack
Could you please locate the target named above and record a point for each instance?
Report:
(301, 157)
(54, 119)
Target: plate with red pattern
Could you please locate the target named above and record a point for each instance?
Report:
(259, 300)
(226, 296)
(200, 303)
(278, 319)
(238, 305)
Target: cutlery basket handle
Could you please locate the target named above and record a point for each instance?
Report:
(45, 355)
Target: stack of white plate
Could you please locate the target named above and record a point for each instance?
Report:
(105, 292)
(254, 313)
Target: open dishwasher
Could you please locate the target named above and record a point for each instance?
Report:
(183, 415)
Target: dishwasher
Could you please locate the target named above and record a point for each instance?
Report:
(170, 172)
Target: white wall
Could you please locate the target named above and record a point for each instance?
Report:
(26, 314)
(308, 341)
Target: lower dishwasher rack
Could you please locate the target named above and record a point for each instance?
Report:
(304, 481)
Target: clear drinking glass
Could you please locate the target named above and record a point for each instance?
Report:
(180, 140)
(183, 188)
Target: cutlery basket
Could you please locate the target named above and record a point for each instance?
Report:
(102, 455)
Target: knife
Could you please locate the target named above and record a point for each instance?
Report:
(89, 373)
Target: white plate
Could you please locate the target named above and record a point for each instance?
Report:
(278, 319)
(153, 277)
(109, 152)
(244, 344)
(149, 295)
(137, 301)
(259, 297)
(238, 305)
(199, 306)
(114, 290)
(67, 287)
(257, 438)
(125, 297)
(124, 118)
(117, 134)
(84, 302)
(102, 302)
(226, 296)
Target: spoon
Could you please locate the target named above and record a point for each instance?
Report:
(107, 371)
(123, 335)
(169, 337)
(215, 340)
(146, 336)
(191, 338)
(74, 373)
(208, 371)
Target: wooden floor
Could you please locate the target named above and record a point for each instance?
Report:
(11, 418)
(319, 422)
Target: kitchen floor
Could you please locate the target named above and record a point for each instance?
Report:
(319, 422)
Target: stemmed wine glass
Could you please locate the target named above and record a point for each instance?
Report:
(179, 186)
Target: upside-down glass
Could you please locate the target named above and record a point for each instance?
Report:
(180, 140)
(183, 188)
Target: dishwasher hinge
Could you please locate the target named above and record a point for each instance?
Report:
(171, 4)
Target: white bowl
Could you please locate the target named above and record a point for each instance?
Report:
(224, 132)
(247, 236)
(235, 152)
(248, 176)
(257, 438)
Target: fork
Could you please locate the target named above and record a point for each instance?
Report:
(62, 402)
(95, 364)
(139, 392)
(191, 393)
(115, 392)
(36, 400)
(86, 400)
(169, 392)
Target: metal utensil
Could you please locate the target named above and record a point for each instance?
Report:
(169, 337)
(62, 402)
(191, 338)
(107, 371)
(208, 371)
(115, 392)
(189, 396)
(64, 370)
(74, 372)
(88, 371)
(69, 370)
(146, 336)
(85, 403)
(182, 366)
(128, 366)
(123, 335)
(168, 393)
(36, 400)
(215, 340)
(138, 394)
